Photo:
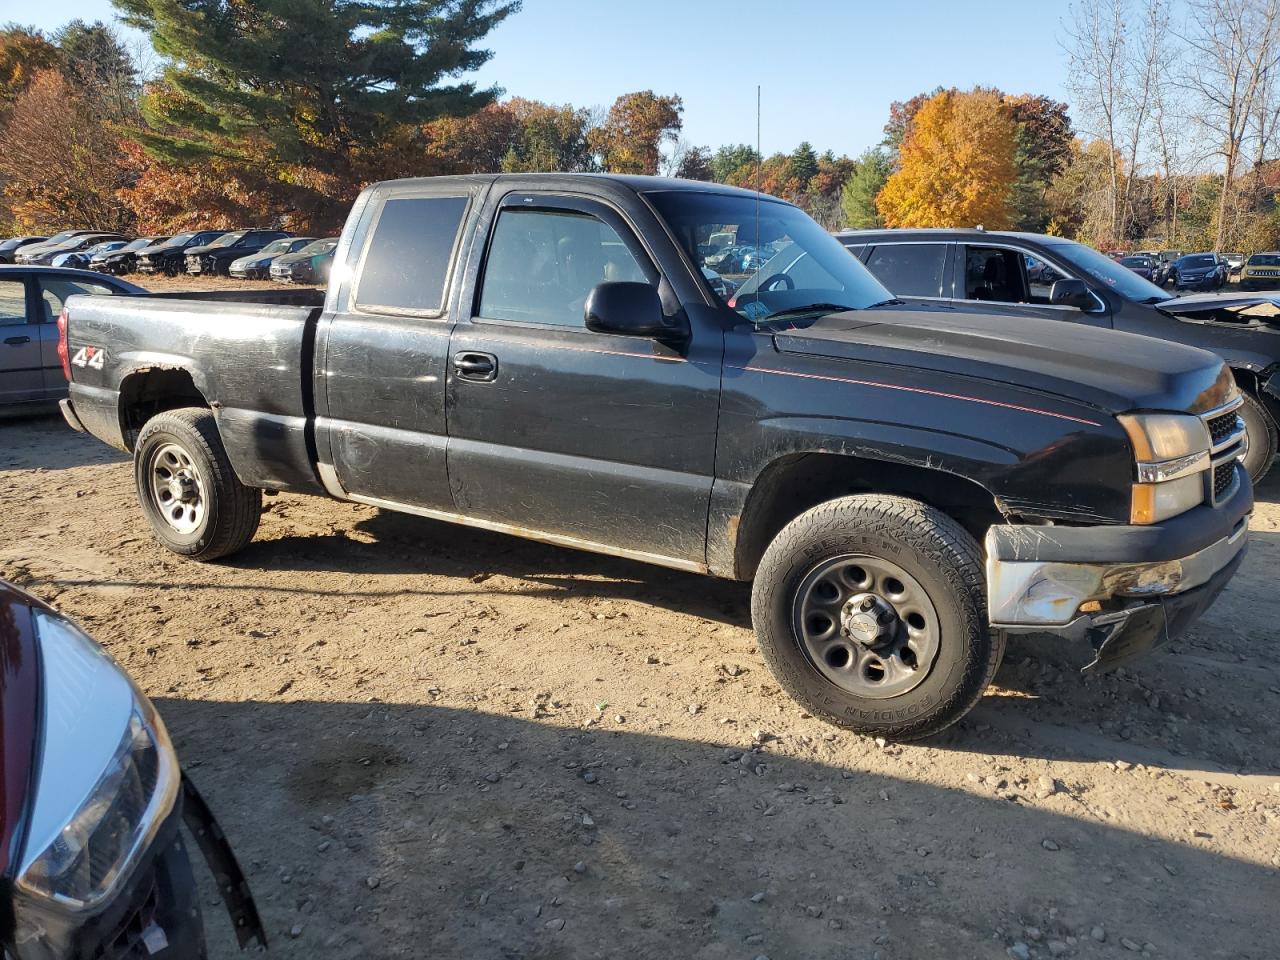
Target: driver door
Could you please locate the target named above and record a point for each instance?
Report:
(605, 440)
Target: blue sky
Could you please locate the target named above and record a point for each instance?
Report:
(828, 68)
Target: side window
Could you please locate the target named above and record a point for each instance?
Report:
(55, 291)
(909, 269)
(995, 274)
(542, 264)
(406, 265)
(13, 302)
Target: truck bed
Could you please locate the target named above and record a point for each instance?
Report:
(248, 359)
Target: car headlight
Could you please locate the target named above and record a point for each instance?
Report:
(107, 777)
(1172, 454)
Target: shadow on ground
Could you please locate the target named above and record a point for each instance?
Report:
(25, 443)
(422, 831)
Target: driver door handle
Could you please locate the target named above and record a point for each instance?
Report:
(473, 365)
(16, 341)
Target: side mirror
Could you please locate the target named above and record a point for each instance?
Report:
(628, 309)
(1071, 293)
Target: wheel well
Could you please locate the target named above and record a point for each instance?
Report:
(1251, 383)
(793, 484)
(147, 392)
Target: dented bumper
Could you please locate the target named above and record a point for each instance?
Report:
(1139, 585)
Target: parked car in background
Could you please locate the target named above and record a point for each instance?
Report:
(902, 486)
(1142, 265)
(1198, 271)
(123, 259)
(257, 266)
(169, 257)
(984, 272)
(309, 265)
(1040, 272)
(79, 259)
(1235, 262)
(84, 241)
(723, 288)
(31, 298)
(215, 259)
(26, 253)
(9, 248)
(92, 795)
(1165, 260)
(1261, 272)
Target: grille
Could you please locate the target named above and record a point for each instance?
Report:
(1224, 474)
(125, 942)
(1222, 427)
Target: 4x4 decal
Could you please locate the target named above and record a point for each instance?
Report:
(91, 357)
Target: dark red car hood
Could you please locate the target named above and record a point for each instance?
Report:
(19, 700)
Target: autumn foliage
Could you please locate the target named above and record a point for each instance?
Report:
(956, 165)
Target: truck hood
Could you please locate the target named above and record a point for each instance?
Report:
(1105, 369)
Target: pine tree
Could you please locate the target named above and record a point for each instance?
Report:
(322, 91)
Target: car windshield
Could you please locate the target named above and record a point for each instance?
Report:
(1102, 269)
(180, 238)
(1265, 260)
(227, 239)
(786, 263)
(1200, 260)
(138, 244)
(320, 246)
(1135, 262)
(275, 246)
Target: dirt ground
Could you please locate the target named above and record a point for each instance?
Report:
(425, 741)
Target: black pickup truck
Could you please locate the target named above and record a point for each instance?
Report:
(991, 272)
(544, 355)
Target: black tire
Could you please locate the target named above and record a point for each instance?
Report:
(1261, 431)
(228, 510)
(930, 547)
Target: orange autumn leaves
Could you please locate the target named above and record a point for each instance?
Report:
(956, 166)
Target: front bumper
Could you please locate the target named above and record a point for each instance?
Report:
(1127, 589)
(156, 914)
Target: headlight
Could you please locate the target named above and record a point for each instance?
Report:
(107, 777)
(1165, 436)
(1172, 454)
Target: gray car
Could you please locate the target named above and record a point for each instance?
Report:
(30, 300)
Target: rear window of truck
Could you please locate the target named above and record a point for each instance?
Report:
(407, 262)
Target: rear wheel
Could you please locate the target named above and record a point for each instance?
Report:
(870, 611)
(1261, 431)
(195, 503)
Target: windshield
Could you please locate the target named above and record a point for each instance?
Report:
(275, 246)
(1265, 260)
(1135, 262)
(138, 244)
(1102, 269)
(320, 246)
(227, 239)
(179, 239)
(784, 261)
(1200, 260)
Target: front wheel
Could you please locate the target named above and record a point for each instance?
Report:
(870, 611)
(195, 503)
(1260, 430)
